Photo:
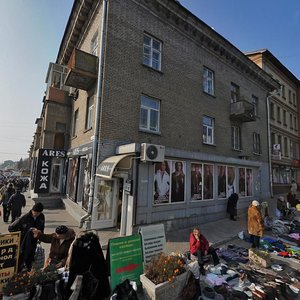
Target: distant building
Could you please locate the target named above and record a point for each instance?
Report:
(168, 115)
(283, 120)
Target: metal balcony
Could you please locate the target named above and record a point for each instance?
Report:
(82, 70)
(242, 111)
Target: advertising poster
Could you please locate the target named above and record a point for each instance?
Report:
(9, 255)
(126, 259)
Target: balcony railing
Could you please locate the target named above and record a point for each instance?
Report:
(242, 111)
(82, 70)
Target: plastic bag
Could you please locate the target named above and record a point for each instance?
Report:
(124, 291)
(39, 257)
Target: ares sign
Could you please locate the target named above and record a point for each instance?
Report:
(42, 179)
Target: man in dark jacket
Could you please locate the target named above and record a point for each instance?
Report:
(232, 206)
(6, 196)
(15, 203)
(33, 219)
(60, 241)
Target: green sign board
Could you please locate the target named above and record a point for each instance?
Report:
(126, 259)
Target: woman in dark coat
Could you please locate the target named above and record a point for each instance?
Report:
(60, 242)
(232, 206)
(86, 258)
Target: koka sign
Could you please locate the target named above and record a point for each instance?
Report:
(42, 179)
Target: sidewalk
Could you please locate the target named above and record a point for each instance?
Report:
(217, 232)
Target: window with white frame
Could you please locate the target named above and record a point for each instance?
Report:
(236, 137)
(152, 52)
(149, 114)
(89, 113)
(94, 44)
(255, 104)
(208, 81)
(208, 130)
(256, 143)
(235, 92)
(75, 123)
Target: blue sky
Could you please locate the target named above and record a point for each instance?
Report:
(31, 31)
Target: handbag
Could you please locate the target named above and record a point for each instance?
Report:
(190, 289)
(39, 257)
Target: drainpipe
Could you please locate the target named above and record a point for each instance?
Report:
(96, 140)
(269, 146)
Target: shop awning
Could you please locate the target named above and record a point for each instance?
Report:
(108, 166)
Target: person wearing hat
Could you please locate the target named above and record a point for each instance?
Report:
(255, 224)
(60, 241)
(33, 219)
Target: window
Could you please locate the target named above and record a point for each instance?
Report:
(295, 123)
(285, 147)
(255, 104)
(149, 117)
(208, 130)
(208, 81)
(284, 118)
(279, 141)
(290, 96)
(89, 113)
(283, 91)
(291, 121)
(236, 137)
(256, 143)
(273, 142)
(272, 111)
(94, 44)
(278, 115)
(152, 52)
(75, 123)
(294, 99)
(235, 93)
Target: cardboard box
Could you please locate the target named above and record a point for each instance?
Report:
(258, 257)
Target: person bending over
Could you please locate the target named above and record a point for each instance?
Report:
(199, 247)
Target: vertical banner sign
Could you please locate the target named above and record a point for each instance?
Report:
(42, 178)
(153, 240)
(9, 256)
(126, 259)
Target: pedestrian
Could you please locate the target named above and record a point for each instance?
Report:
(294, 188)
(232, 206)
(5, 198)
(199, 247)
(255, 224)
(33, 219)
(15, 204)
(60, 241)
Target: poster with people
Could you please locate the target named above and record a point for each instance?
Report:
(221, 181)
(162, 182)
(242, 182)
(249, 181)
(178, 181)
(208, 181)
(230, 181)
(196, 181)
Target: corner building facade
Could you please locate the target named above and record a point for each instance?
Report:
(148, 74)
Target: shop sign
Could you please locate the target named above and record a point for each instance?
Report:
(153, 240)
(42, 179)
(9, 256)
(126, 259)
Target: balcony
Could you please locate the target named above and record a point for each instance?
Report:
(82, 70)
(242, 111)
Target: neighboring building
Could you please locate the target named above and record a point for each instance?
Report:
(164, 109)
(283, 120)
(51, 139)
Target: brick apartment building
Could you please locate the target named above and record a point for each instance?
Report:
(284, 122)
(168, 117)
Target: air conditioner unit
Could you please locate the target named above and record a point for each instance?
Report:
(154, 153)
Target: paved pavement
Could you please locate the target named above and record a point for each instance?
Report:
(217, 232)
